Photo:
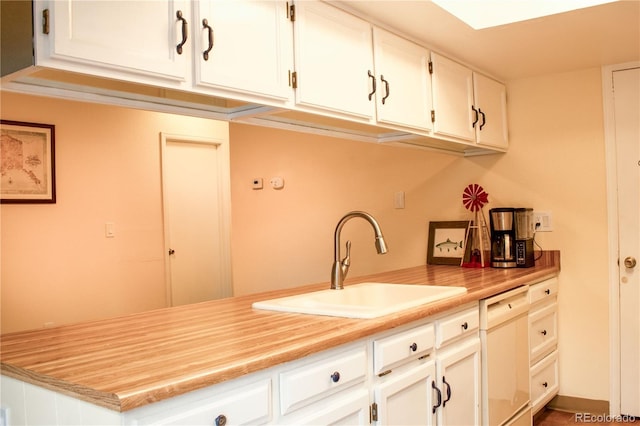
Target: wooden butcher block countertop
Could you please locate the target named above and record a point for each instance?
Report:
(130, 361)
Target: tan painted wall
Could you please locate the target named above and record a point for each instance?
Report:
(57, 266)
(284, 238)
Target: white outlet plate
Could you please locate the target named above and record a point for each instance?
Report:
(542, 221)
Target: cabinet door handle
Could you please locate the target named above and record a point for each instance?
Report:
(475, 115)
(544, 332)
(465, 325)
(221, 420)
(386, 88)
(484, 118)
(545, 384)
(184, 32)
(444, 382)
(413, 347)
(373, 84)
(205, 24)
(434, 387)
(547, 291)
(335, 377)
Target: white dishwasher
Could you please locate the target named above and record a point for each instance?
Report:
(504, 331)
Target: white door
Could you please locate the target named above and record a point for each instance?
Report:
(196, 226)
(458, 372)
(406, 397)
(139, 37)
(333, 59)
(626, 85)
(404, 91)
(248, 45)
(452, 87)
(490, 98)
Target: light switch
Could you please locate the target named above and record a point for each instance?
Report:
(109, 230)
(398, 200)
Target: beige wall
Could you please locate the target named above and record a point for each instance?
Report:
(284, 238)
(57, 266)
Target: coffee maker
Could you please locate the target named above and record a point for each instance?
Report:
(524, 238)
(512, 232)
(503, 237)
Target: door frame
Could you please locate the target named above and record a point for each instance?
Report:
(612, 213)
(224, 201)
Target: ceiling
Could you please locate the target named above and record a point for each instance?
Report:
(584, 38)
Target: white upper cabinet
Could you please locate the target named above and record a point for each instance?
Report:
(245, 46)
(334, 61)
(403, 95)
(139, 38)
(468, 106)
(491, 102)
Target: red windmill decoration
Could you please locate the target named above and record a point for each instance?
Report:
(474, 198)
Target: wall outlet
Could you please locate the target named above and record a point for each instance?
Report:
(542, 221)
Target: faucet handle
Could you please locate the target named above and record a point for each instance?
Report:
(346, 262)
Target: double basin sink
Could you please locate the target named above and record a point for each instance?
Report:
(366, 300)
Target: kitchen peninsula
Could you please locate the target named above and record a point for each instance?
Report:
(137, 360)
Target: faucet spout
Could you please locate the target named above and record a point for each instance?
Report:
(341, 267)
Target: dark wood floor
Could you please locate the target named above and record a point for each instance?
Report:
(558, 418)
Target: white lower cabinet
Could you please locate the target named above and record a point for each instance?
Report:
(398, 377)
(406, 397)
(458, 374)
(543, 342)
(247, 405)
(321, 376)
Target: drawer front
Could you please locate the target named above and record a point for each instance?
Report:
(457, 325)
(544, 381)
(543, 290)
(313, 380)
(250, 404)
(405, 346)
(543, 331)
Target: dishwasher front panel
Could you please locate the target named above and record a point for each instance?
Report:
(507, 369)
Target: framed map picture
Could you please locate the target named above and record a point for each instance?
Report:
(27, 162)
(447, 242)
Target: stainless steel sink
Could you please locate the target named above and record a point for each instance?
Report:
(366, 300)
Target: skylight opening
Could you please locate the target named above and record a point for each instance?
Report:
(480, 14)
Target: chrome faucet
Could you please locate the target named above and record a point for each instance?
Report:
(341, 267)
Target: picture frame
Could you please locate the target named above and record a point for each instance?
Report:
(447, 242)
(27, 162)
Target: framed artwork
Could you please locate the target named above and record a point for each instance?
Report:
(27, 162)
(447, 242)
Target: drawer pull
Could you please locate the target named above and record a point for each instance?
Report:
(545, 384)
(444, 381)
(547, 291)
(335, 377)
(184, 32)
(465, 325)
(434, 387)
(544, 332)
(205, 25)
(373, 82)
(221, 420)
(413, 347)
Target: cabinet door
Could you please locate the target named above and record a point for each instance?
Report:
(349, 408)
(403, 97)
(452, 99)
(458, 372)
(333, 60)
(133, 37)
(249, 46)
(491, 101)
(406, 398)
